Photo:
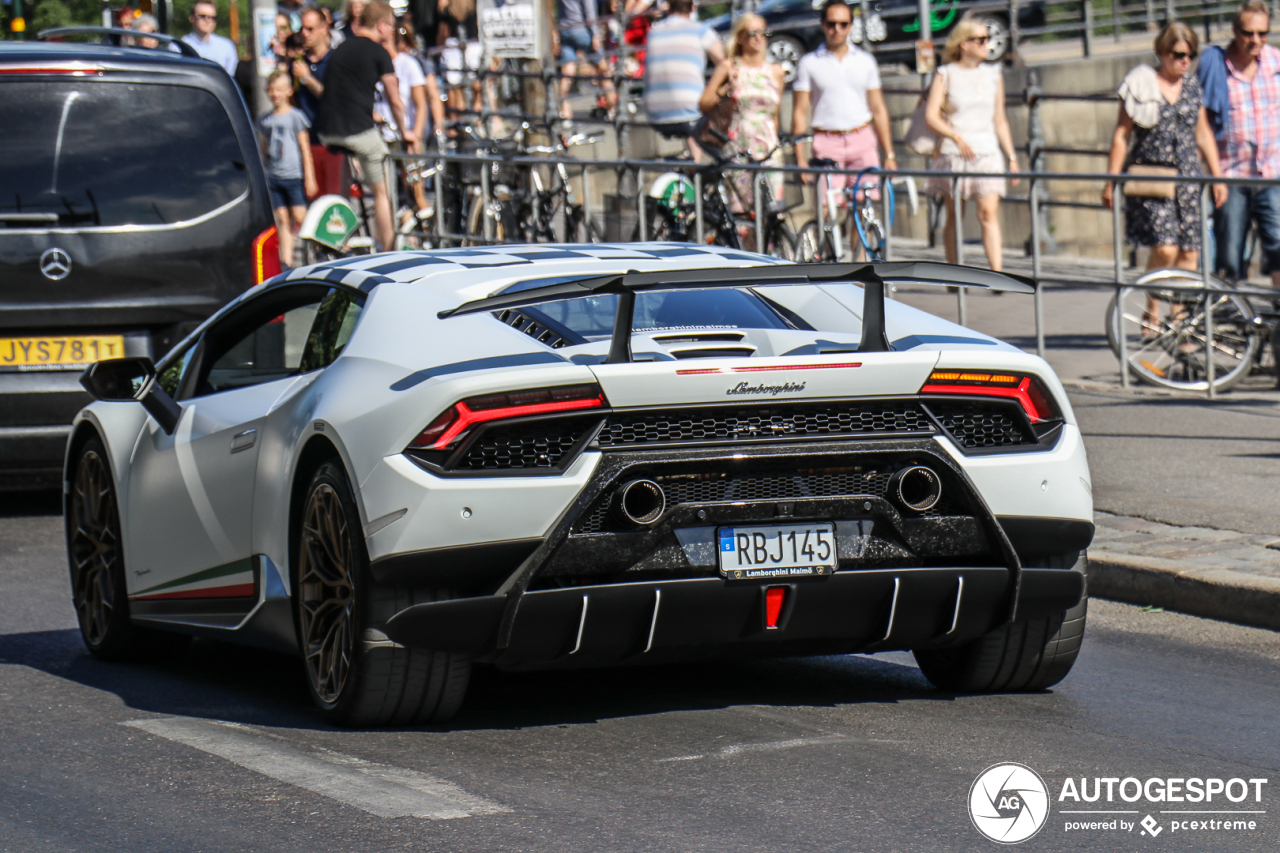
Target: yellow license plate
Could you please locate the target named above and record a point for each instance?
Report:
(63, 352)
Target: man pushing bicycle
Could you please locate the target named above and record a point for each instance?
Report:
(842, 84)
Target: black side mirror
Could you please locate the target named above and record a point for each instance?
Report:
(125, 380)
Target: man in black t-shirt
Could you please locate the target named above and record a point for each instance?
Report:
(345, 118)
(308, 71)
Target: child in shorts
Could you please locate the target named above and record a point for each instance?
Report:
(286, 149)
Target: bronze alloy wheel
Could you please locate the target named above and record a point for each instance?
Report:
(326, 593)
(94, 545)
(356, 677)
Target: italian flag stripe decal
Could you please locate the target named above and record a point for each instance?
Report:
(240, 590)
(205, 583)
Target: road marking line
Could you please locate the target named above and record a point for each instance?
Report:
(379, 789)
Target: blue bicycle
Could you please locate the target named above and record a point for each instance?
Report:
(826, 243)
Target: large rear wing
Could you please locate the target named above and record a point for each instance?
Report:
(872, 276)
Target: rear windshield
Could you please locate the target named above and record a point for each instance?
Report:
(92, 152)
(592, 317)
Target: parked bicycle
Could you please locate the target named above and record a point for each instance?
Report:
(493, 220)
(1165, 331)
(671, 206)
(860, 207)
(541, 205)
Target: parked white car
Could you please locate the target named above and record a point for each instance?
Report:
(588, 455)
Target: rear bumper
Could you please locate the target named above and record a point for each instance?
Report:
(625, 623)
(37, 408)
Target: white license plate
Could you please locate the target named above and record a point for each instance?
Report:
(777, 551)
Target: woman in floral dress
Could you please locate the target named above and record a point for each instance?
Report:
(755, 84)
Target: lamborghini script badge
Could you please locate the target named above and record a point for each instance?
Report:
(771, 390)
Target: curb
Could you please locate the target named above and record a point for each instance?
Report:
(1224, 594)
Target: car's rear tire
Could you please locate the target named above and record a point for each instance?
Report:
(96, 560)
(1031, 655)
(357, 676)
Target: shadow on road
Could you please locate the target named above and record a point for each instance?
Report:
(220, 681)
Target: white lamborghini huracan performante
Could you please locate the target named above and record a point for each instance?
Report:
(401, 465)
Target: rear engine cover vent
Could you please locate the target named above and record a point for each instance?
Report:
(540, 332)
(715, 352)
(698, 338)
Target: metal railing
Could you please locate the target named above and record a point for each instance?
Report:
(637, 169)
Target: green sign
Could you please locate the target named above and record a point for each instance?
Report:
(337, 223)
(940, 17)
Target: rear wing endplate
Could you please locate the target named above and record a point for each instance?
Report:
(872, 276)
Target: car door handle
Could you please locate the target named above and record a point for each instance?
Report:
(243, 440)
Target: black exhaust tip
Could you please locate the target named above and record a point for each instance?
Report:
(640, 501)
(916, 488)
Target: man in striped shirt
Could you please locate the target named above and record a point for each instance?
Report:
(675, 71)
(1250, 144)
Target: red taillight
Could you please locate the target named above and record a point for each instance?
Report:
(1029, 391)
(266, 255)
(461, 416)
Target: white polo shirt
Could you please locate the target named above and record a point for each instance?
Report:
(839, 87)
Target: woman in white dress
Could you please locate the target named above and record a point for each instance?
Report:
(966, 110)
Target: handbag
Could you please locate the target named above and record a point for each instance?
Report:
(920, 138)
(1150, 189)
(712, 130)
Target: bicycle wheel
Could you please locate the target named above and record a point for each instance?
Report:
(814, 246)
(660, 225)
(866, 219)
(591, 232)
(1164, 332)
(502, 223)
(724, 229)
(780, 241)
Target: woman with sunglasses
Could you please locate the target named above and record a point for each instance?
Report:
(755, 85)
(1162, 123)
(966, 110)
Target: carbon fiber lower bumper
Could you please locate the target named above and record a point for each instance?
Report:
(650, 622)
(594, 592)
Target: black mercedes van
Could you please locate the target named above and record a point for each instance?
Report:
(133, 204)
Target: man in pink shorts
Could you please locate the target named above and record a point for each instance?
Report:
(841, 83)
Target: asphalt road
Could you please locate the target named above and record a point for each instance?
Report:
(220, 751)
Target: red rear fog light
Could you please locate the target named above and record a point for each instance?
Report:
(774, 598)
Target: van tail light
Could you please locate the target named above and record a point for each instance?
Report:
(266, 255)
(453, 425)
(1028, 391)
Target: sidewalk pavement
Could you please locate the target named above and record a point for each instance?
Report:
(1216, 461)
(1219, 574)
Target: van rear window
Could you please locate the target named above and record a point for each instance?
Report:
(97, 153)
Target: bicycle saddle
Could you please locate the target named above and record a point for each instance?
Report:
(822, 163)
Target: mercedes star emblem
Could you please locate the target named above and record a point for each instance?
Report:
(55, 264)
